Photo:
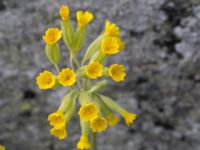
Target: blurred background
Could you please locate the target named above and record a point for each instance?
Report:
(162, 58)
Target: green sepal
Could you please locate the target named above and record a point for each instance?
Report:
(79, 40)
(84, 97)
(67, 33)
(81, 71)
(53, 53)
(112, 104)
(67, 101)
(98, 86)
(102, 106)
(93, 48)
(70, 113)
(85, 129)
(98, 57)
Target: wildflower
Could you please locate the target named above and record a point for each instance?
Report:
(52, 35)
(64, 13)
(67, 77)
(111, 29)
(112, 120)
(83, 143)
(94, 70)
(129, 117)
(60, 132)
(45, 80)
(2, 147)
(98, 124)
(117, 72)
(84, 18)
(110, 45)
(88, 111)
(56, 119)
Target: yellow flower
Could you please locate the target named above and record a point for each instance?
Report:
(94, 70)
(52, 35)
(45, 80)
(84, 18)
(117, 72)
(98, 124)
(121, 44)
(88, 111)
(111, 29)
(2, 147)
(60, 133)
(64, 13)
(112, 120)
(67, 77)
(110, 45)
(83, 143)
(129, 117)
(57, 119)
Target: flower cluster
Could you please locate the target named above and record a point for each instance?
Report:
(85, 79)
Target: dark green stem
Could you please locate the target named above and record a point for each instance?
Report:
(94, 141)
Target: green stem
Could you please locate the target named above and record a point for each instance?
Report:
(94, 141)
(57, 68)
(71, 61)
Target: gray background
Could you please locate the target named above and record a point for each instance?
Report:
(162, 58)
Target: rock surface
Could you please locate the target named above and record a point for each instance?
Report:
(163, 84)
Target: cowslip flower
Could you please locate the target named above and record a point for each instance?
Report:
(110, 45)
(83, 18)
(117, 72)
(129, 117)
(98, 124)
(83, 143)
(57, 119)
(112, 120)
(111, 29)
(45, 80)
(88, 112)
(2, 147)
(94, 70)
(52, 35)
(64, 13)
(67, 77)
(59, 132)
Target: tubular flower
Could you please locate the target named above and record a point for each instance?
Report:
(94, 70)
(88, 112)
(64, 13)
(111, 29)
(45, 80)
(98, 124)
(117, 72)
(83, 143)
(83, 18)
(67, 77)
(112, 120)
(57, 119)
(60, 133)
(129, 117)
(52, 35)
(2, 147)
(110, 45)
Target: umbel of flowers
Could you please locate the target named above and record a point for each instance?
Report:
(85, 79)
